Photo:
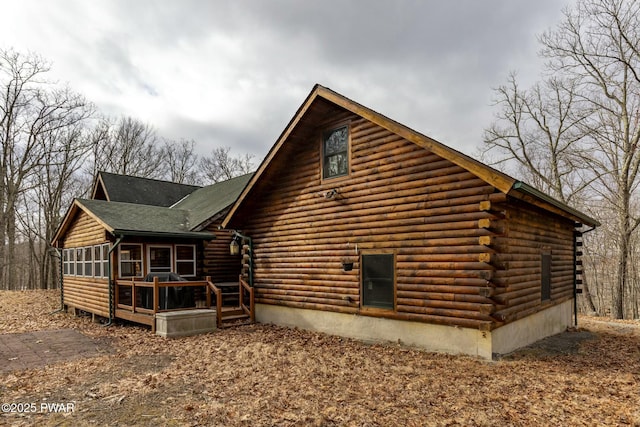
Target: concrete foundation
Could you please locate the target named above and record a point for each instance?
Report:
(530, 329)
(437, 338)
(186, 322)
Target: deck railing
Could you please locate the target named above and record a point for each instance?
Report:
(139, 301)
(250, 309)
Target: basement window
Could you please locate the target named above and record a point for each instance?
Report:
(335, 153)
(378, 281)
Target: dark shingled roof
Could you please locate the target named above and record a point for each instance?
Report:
(206, 202)
(142, 191)
(132, 219)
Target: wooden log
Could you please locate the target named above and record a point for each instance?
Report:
(459, 289)
(327, 288)
(485, 240)
(450, 313)
(458, 283)
(373, 232)
(440, 296)
(453, 305)
(340, 306)
(479, 274)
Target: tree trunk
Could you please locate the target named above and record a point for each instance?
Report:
(591, 307)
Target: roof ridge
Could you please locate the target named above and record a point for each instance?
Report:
(149, 179)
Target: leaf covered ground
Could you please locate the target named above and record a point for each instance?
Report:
(263, 375)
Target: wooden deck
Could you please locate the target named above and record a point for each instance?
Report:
(138, 301)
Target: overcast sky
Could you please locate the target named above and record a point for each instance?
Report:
(233, 73)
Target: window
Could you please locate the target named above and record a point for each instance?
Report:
(79, 262)
(378, 281)
(545, 286)
(105, 259)
(65, 262)
(130, 260)
(97, 261)
(88, 261)
(160, 259)
(186, 260)
(72, 261)
(335, 153)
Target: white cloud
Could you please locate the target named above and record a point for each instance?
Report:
(233, 73)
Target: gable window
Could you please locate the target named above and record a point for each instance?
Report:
(378, 281)
(545, 286)
(130, 263)
(335, 153)
(186, 260)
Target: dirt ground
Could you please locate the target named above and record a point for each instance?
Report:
(262, 375)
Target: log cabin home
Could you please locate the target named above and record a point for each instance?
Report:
(362, 227)
(135, 232)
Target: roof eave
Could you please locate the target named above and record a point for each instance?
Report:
(199, 235)
(520, 189)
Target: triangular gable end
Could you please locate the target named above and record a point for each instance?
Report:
(99, 189)
(501, 181)
(67, 221)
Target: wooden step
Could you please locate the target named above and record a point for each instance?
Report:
(231, 311)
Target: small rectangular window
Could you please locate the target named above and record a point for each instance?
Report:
(546, 276)
(65, 262)
(105, 260)
(335, 153)
(88, 261)
(130, 260)
(79, 262)
(378, 281)
(72, 262)
(97, 261)
(186, 260)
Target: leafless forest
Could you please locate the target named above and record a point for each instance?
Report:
(574, 135)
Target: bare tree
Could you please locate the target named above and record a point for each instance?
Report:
(598, 45)
(181, 161)
(221, 165)
(127, 146)
(540, 131)
(30, 110)
(53, 188)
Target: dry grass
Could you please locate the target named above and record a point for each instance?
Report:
(265, 375)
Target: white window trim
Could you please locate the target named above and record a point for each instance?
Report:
(79, 261)
(131, 260)
(171, 260)
(192, 260)
(105, 260)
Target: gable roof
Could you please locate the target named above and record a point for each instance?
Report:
(321, 95)
(206, 202)
(128, 219)
(141, 191)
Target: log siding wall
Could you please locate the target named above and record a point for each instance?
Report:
(86, 293)
(398, 197)
(218, 263)
(532, 232)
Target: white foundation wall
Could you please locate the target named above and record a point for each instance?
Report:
(437, 338)
(530, 329)
(430, 337)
